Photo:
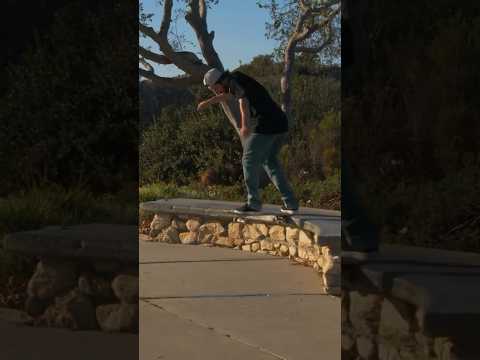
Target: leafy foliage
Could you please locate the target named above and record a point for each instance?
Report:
(412, 141)
(70, 113)
(182, 143)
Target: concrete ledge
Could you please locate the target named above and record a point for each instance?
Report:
(90, 241)
(324, 223)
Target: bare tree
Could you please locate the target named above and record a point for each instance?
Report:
(193, 67)
(301, 26)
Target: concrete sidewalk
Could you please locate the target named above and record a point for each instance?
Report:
(32, 343)
(214, 303)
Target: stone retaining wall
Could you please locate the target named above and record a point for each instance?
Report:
(375, 326)
(86, 277)
(409, 308)
(289, 241)
(83, 296)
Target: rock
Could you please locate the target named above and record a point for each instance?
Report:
(292, 250)
(325, 250)
(74, 311)
(316, 267)
(304, 239)
(366, 348)
(284, 249)
(144, 237)
(299, 260)
(51, 278)
(118, 317)
(313, 253)
(263, 229)
(205, 237)
(159, 223)
(170, 235)
(266, 244)
(125, 288)
(365, 312)
(224, 241)
(331, 271)
(393, 319)
(208, 232)
(14, 316)
(235, 230)
(106, 266)
(214, 228)
(303, 252)
(251, 234)
(292, 235)
(193, 225)
(442, 347)
(255, 247)
(238, 242)
(179, 225)
(276, 245)
(272, 252)
(95, 286)
(246, 247)
(188, 238)
(277, 233)
(331, 281)
(35, 307)
(331, 263)
(347, 342)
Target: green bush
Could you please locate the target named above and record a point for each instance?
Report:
(183, 142)
(70, 112)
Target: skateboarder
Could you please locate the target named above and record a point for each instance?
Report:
(263, 129)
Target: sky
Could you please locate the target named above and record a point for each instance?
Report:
(239, 27)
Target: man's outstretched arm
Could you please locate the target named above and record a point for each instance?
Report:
(213, 100)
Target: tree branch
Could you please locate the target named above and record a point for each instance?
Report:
(149, 31)
(181, 82)
(164, 28)
(196, 17)
(150, 55)
(146, 64)
(321, 9)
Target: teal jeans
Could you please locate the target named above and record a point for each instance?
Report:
(261, 150)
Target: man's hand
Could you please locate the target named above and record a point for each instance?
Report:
(202, 105)
(244, 132)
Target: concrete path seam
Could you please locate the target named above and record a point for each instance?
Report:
(219, 331)
(206, 261)
(223, 296)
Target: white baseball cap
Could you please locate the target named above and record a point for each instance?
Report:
(211, 77)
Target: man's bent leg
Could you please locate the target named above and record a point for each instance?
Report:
(276, 173)
(256, 149)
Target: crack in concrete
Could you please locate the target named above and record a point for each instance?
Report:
(223, 296)
(210, 260)
(219, 331)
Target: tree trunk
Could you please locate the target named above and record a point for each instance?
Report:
(285, 82)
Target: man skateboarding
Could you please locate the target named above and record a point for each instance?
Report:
(263, 129)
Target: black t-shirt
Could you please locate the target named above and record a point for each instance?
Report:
(264, 111)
